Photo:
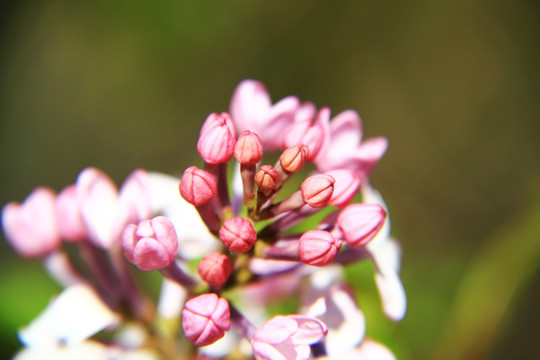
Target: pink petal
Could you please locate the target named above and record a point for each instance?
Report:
(346, 128)
(249, 104)
(277, 122)
(70, 223)
(310, 330)
(134, 199)
(265, 351)
(276, 330)
(366, 157)
(31, 227)
(99, 201)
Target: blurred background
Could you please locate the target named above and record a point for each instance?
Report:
(454, 85)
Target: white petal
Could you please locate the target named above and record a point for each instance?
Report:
(392, 293)
(60, 268)
(372, 350)
(346, 322)
(87, 350)
(238, 189)
(372, 196)
(171, 297)
(326, 276)
(387, 257)
(223, 346)
(76, 314)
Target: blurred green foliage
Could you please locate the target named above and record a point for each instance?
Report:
(453, 85)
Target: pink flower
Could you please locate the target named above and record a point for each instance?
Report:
(205, 319)
(251, 109)
(248, 149)
(287, 337)
(152, 244)
(317, 190)
(31, 227)
(318, 247)
(238, 234)
(217, 139)
(197, 186)
(343, 147)
(359, 223)
(304, 132)
(215, 268)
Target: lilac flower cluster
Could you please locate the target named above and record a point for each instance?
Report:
(227, 245)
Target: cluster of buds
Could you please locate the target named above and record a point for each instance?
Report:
(227, 245)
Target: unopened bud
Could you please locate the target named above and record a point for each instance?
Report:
(152, 244)
(317, 190)
(266, 178)
(238, 234)
(293, 158)
(215, 268)
(359, 223)
(197, 186)
(318, 247)
(248, 149)
(205, 319)
(217, 139)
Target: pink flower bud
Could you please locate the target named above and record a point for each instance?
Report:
(266, 178)
(317, 190)
(205, 319)
(293, 158)
(31, 227)
(215, 268)
(345, 187)
(197, 186)
(248, 149)
(217, 139)
(152, 244)
(359, 223)
(70, 223)
(318, 247)
(238, 234)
